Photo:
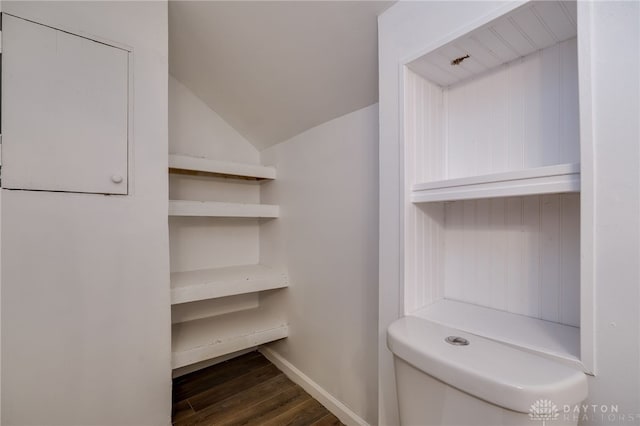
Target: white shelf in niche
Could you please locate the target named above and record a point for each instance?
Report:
(184, 164)
(546, 338)
(540, 180)
(213, 283)
(221, 209)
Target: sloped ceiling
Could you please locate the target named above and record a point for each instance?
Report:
(275, 69)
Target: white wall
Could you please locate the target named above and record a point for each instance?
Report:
(200, 243)
(1, 1)
(403, 31)
(327, 238)
(85, 278)
(197, 130)
(616, 137)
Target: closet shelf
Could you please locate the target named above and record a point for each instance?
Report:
(208, 338)
(183, 164)
(540, 180)
(205, 284)
(545, 338)
(219, 347)
(220, 209)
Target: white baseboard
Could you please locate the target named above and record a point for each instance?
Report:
(336, 407)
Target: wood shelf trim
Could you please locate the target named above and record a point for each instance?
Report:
(183, 164)
(221, 209)
(545, 338)
(213, 283)
(540, 180)
(219, 347)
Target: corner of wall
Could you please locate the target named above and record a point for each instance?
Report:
(327, 237)
(197, 130)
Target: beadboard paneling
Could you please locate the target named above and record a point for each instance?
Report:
(522, 115)
(423, 223)
(424, 129)
(518, 254)
(535, 26)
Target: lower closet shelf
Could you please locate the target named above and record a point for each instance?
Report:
(220, 347)
(208, 338)
(205, 284)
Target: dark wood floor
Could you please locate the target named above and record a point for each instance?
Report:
(247, 390)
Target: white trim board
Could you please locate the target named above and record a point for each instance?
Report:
(543, 180)
(341, 411)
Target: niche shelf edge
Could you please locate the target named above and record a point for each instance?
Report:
(540, 180)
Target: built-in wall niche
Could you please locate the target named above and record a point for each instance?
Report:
(492, 178)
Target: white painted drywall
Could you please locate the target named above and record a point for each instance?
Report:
(273, 69)
(614, 72)
(85, 277)
(200, 243)
(616, 197)
(196, 130)
(1, 1)
(327, 238)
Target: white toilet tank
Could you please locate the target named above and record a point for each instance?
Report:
(481, 383)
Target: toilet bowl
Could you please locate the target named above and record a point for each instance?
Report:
(468, 380)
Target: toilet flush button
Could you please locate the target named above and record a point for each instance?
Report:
(457, 341)
(116, 179)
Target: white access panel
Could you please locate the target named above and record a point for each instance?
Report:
(64, 111)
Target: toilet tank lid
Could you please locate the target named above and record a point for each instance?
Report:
(489, 370)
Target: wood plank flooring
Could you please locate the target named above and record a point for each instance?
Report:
(247, 390)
